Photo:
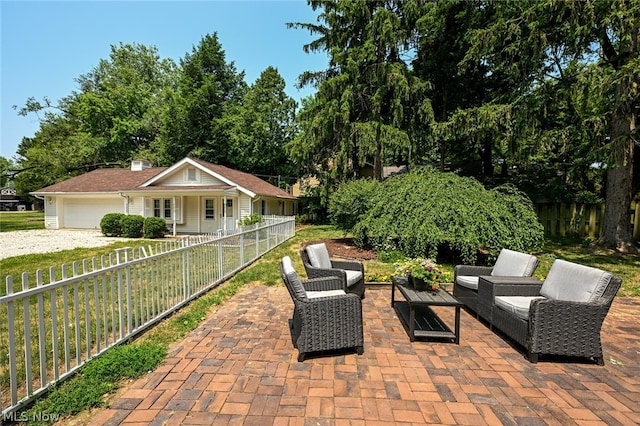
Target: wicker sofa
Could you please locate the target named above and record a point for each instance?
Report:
(325, 317)
(509, 263)
(562, 315)
(317, 263)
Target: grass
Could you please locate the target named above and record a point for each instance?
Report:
(16, 221)
(103, 375)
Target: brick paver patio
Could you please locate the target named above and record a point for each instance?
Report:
(240, 367)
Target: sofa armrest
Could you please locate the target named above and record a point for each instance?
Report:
(489, 287)
(574, 326)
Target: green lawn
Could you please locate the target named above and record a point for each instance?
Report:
(16, 221)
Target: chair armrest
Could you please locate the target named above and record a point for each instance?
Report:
(337, 313)
(346, 264)
(472, 270)
(324, 284)
(313, 272)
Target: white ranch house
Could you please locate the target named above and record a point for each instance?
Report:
(193, 196)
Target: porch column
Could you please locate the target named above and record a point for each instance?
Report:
(224, 213)
(174, 215)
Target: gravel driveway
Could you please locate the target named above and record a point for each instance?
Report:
(17, 243)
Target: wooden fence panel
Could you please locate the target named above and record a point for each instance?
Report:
(579, 219)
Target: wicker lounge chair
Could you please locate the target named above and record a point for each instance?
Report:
(564, 316)
(325, 317)
(317, 263)
(509, 263)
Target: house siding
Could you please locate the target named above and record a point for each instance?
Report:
(179, 177)
(50, 213)
(245, 206)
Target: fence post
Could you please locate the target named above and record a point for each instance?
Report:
(11, 331)
(242, 262)
(186, 285)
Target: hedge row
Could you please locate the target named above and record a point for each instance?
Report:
(132, 226)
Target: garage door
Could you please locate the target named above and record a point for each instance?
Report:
(87, 213)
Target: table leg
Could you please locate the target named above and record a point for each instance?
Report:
(457, 326)
(412, 322)
(393, 293)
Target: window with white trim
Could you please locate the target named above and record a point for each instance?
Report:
(191, 174)
(209, 209)
(164, 208)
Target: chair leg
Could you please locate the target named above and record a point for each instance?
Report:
(599, 360)
(360, 350)
(301, 357)
(533, 358)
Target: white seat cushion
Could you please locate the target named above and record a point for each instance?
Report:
(353, 277)
(575, 283)
(319, 256)
(516, 305)
(514, 264)
(326, 293)
(468, 281)
(294, 280)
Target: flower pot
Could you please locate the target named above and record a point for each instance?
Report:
(420, 284)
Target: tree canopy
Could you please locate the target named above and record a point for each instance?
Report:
(538, 93)
(137, 105)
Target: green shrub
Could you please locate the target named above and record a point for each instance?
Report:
(132, 226)
(251, 220)
(111, 224)
(426, 212)
(154, 227)
(351, 201)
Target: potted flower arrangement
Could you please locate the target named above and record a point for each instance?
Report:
(423, 274)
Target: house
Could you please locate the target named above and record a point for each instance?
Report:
(193, 196)
(8, 199)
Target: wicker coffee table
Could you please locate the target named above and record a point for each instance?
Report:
(417, 316)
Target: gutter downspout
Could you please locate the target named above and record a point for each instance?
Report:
(126, 203)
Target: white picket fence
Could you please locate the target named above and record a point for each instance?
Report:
(50, 328)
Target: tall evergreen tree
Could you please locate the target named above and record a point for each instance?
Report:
(368, 96)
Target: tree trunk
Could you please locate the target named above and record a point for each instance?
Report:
(616, 229)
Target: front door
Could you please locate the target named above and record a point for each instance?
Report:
(210, 222)
(229, 212)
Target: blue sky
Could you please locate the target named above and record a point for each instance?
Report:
(46, 45)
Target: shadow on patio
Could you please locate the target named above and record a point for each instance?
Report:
(239, 367)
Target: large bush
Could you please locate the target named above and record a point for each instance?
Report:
(154, 227)
(132, 226)
(351, 201)
(425, 211)
(111, 224)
